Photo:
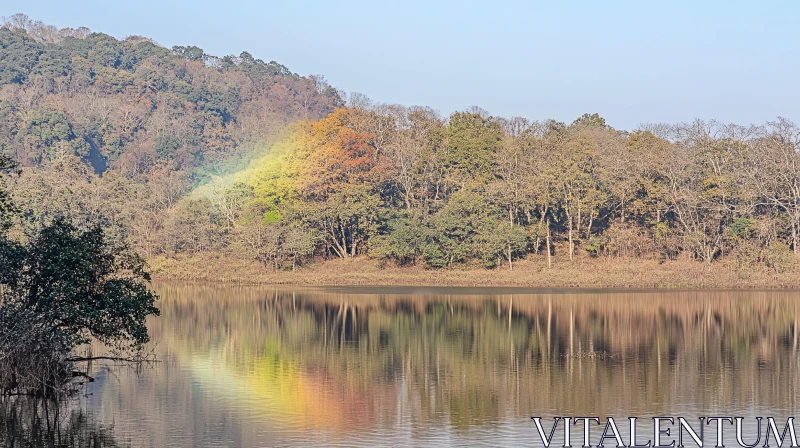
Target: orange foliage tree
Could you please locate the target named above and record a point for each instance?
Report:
(340, 184)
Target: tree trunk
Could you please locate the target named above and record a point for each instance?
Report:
(344, 243)
(340, 251)
(571, 241)
(549, 258)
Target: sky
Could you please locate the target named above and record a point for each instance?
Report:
(632, 62)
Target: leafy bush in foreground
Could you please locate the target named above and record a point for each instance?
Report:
(57, 291)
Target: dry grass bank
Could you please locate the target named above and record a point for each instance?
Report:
(581, 273)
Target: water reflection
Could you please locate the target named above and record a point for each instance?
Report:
(258, 366)
(28, 422)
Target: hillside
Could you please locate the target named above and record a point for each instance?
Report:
(154, 122)
(183, 154)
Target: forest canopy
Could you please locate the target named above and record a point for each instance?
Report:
(179, 152)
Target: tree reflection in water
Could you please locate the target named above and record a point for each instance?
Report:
(33, 422)
(466, 359)
(250, 366)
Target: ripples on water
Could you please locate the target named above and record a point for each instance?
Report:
(254, 366)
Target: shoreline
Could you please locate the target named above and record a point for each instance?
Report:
(531, 273)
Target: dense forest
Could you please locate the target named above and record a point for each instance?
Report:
(179, 152)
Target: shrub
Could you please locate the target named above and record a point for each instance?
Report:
(71, 286)
(778, 256)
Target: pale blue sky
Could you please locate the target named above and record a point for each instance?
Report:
(630, 61)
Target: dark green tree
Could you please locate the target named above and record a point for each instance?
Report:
(61, 289)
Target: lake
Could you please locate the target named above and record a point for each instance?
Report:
(262, 366)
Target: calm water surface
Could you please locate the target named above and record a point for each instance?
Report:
(258, 366)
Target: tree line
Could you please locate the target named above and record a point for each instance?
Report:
(407, 186)
(179, 152)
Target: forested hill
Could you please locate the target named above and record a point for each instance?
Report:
(136, 107)
(179, 153)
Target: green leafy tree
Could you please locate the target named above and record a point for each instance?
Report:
(191, 52)
(345, 221)
(471, 144)
(68, 287)
(6, 206)
(402, 243)
(590, 121)
(497, 241)
(80, 286)
(450, 236)
(580, 193)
